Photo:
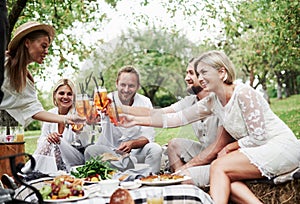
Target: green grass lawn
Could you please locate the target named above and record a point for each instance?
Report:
(287, 109)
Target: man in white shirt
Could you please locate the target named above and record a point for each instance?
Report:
(138, 140)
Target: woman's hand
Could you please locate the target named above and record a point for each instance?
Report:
(126, 120)
(74, 119)
(223, 152)
(93, 119)
(229, 148)
(54, 138)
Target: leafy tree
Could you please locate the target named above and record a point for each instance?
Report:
(161, 58)
(65, 15)
(263, 39)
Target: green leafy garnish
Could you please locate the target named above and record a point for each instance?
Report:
(94, 166)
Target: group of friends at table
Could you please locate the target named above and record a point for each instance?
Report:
(239, 136)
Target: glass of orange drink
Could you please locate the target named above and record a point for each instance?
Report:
(100, 98)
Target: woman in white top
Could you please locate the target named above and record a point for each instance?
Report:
(265, 146)
(29, 44)
(56, 139)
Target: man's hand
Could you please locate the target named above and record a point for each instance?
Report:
(125, 147)
(54, 138)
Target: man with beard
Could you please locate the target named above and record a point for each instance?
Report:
(138, 140)
(182, 152)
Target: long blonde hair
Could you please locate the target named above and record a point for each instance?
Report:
(17, 61)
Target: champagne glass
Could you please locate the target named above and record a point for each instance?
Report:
(101, 101)
(93, 120)
(113, 111)
(83, 109)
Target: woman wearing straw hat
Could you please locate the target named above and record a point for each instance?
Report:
(29, 44)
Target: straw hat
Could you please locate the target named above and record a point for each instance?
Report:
(26, 28)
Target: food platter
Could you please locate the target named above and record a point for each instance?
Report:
(62, 188)
(157, 182)
(75, 198)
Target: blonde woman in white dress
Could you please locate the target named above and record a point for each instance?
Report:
(55, 151)
(265, 146)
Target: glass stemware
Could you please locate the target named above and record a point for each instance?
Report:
(83, 109)
(101, 101)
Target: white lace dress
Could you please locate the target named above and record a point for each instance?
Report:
(263, 137)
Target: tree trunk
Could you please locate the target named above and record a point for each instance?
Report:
(279, 90)
(265, 93)
(14, 14)
(279, 84)
(251, 77)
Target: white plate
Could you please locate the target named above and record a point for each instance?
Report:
(74, 168)
(165, 182)
(95, 190)
(130, 185)
(58, 173)
(68, 199)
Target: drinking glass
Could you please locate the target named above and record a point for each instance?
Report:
(100, 98)
(101, 101)
(155, 196)
(82, 105)
(83, 109)
(2, 133)
(19, 134)
(113, 112)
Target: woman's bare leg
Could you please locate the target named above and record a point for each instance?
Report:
(234, 166)
(241, 194)
(174, 155)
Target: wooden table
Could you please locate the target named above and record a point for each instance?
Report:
(8, 149)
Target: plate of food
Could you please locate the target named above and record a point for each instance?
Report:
(93, 171)
(71, 198)
(163, 179)
(62, 189)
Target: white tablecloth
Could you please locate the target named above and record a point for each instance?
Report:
(173, 194)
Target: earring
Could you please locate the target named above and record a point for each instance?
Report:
(225, 78)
